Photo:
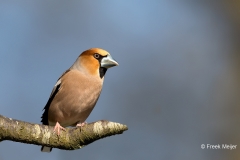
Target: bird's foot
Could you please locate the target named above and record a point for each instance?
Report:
(81, 124)
(57, 128)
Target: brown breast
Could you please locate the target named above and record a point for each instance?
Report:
(75, 99)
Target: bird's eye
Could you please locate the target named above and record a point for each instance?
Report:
(96, 55)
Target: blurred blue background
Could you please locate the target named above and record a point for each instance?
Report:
(177, 85)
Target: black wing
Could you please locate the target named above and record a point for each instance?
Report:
(45, 113)
(54, 92)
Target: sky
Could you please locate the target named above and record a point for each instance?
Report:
(176, 87)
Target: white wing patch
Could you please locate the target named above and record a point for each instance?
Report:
(58, 82)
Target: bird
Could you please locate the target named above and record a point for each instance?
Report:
(77, 91)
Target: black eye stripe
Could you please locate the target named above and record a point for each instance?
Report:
(98, 56)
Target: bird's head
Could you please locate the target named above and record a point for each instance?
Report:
(94, 61)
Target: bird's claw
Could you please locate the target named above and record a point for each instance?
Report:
(81, 124)
(57, 128)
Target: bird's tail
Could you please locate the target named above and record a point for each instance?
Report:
(46, 149)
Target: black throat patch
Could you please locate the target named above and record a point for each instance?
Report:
(102, 71)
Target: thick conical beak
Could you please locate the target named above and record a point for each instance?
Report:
(108, 62)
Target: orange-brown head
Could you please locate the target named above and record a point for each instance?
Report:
(94, 61)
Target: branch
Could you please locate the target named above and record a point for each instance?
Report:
(72, 138)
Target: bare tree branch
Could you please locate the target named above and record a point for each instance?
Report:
(72, 138)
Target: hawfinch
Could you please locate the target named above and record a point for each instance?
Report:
(76, 92)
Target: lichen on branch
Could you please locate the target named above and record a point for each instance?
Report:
(72, 138)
